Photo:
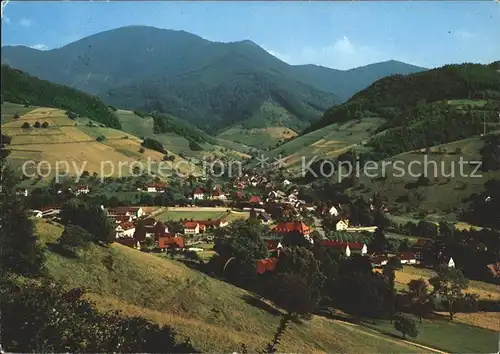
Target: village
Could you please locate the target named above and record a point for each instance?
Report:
(273, 203)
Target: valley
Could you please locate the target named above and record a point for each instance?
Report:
(163, 190)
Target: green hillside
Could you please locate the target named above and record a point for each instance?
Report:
(19, 87)
(217, 316)
(176, 136)
(398, 97)
(444, 196)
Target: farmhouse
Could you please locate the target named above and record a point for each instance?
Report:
(293, 226)
(217, 194)
(118, 219)
(198, 193)
(170, 241)
(135, 212)
(342, 225)
(408, 258)
(211, 224)
(155, 187)
(125, 229)
(191, 227)
(150, 228)
(346, 247)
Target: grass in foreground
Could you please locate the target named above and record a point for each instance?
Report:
(449, 336)
(215, 315)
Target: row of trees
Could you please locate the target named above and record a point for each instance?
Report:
(37, 124)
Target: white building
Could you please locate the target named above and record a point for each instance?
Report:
(333, 211)
(125, 229)
(342, 225)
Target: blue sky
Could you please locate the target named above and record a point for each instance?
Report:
(339, 35)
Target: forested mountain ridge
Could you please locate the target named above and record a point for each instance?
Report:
(206, 83)
(19, 87)
(394, 97)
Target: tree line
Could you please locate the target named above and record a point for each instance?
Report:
(19, 87)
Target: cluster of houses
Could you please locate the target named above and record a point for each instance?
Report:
(274, 244)
(134, 226)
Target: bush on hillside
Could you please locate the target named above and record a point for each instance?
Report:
(406, 326)
(153, 145)
(26, 125)
(16, 116)
(45, 125)
(37, 124)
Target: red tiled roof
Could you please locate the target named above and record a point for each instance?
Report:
(266, 265)
(405, 256)
(299, 226)
(217, 193)
(197, 190)
(341, 244)
(121, 218)
(254, 199)
(127, 225)
(167, 241)
(190, 224)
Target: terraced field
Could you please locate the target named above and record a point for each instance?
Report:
(75, 143)
(327, 142)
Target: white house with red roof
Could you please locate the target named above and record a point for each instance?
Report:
(217, 194)
(198, 193)
(125, 229)
(191, 227)
(408, 258)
